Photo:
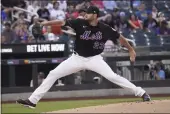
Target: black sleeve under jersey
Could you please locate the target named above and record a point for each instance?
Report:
(113, 34)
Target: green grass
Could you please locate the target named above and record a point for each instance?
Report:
(60, 105)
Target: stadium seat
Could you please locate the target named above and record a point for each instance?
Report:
(131, 36)
(141, 43)
(151, 34)
(155, 3)
(160, 5)
(148, 4)
(168, 3)
(125, 32)
(127, 12)
(155, 42)
(166, 39)
(153, 39)
(166, 47)
(141, 39)
(167, 14)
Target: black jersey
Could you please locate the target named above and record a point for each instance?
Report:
(90, 40)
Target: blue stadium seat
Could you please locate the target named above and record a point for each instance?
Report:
(166, 47)
(168, 3)
(131, 36)
(140, 38)
(151, 34)
(141, 43)
(166, 39)
(153, 39)
(155, 42)
(161, 5)
(155, 3)
(167, 14)
(125, 32)
(148, 4)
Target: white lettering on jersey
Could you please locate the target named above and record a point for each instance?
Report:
(86, 36)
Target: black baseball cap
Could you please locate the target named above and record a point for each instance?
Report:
(82, 10)
(93, 10)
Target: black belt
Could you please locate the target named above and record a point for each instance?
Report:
(81, 55)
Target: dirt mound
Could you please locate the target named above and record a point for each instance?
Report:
(158, 106)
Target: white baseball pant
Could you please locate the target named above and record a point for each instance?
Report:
(76, 63)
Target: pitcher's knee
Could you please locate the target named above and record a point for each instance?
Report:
(55, 73)
(52, 72)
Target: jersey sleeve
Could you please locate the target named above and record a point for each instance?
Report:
(113, 34)
(73, 23)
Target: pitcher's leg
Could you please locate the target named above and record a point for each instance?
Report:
(101, 67)
(67, 67)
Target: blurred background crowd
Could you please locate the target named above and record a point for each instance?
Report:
(126, 16)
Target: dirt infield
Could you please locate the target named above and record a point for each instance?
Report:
(158, 106)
